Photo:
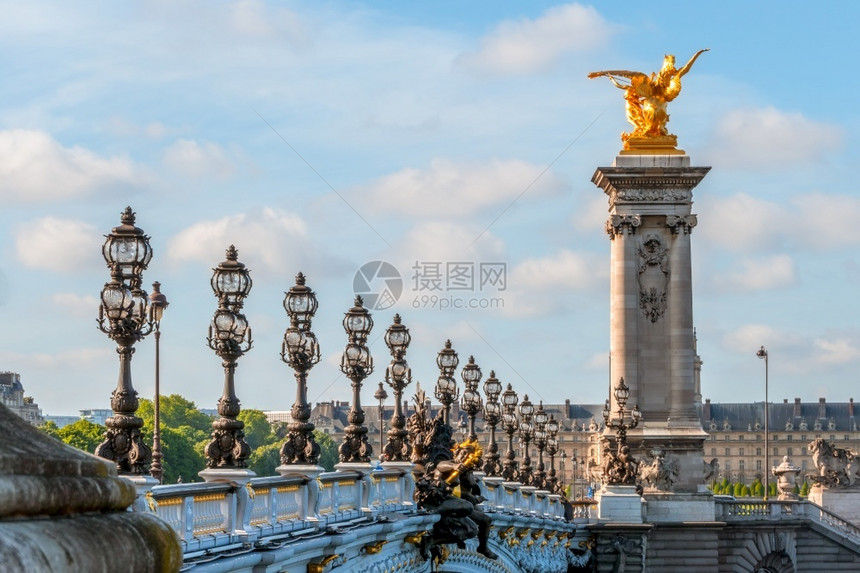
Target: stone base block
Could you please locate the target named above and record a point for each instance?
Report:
(843, 502)
(679, 507)
(620, 504)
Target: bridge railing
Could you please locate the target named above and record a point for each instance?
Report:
(218, 516)
(737, 510)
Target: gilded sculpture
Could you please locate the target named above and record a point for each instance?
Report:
(646, 98)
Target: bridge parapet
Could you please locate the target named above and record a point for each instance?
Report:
(372, 515)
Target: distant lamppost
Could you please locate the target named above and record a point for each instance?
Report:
(492, 416)
(463, 428)
(527, 431)
(158, 303)
(510, 424)
(471, 402)
(398, 375)
(540, 438)
(552, 483)
(573, 473)
(125, 316)
(381, 395)
(762, 353)
(561, 465)
(446, 387)
(301, 351)
(622, 469)
(356, 364)
(230, 338)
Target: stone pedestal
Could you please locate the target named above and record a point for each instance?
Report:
(652, 345)
(64, 510)
(844, 502)
(619, 504)
(679, 507)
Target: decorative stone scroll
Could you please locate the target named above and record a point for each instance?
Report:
(658, 194)
(653, 277)
(681, 224)
(618, 224)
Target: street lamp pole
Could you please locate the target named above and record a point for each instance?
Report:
(381, 395)
(762, 353)
(158, 303)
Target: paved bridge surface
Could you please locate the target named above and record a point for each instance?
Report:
(352, 521)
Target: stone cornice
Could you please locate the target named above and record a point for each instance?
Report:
(649, 184)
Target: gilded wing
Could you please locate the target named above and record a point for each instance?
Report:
(620, 73)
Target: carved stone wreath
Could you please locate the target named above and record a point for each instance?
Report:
(653, 277)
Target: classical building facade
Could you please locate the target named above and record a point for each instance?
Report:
(12, 395)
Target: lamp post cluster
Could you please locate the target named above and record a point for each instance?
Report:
(301, 351)
(621, 468)
(126, 316)
(492, 416)
(398, 375)
(471, 402)
(356, 364)
(230, 338)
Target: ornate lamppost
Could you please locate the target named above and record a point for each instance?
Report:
(527, 432)
(230, 338)
(301, 351)
(125, 316)
(762, 353)
(398, 375)
(622, 468)
(573, 471)
(552, 483)
(356, 364)
(471, 402)
(510, 424)
(540, 438)
(381, 395)
(158, 303)
(492, 416)
(561, 465)
(446, 387)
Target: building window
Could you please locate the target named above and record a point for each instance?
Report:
(741, 437)
(775, 437)
(788, 452)
(727, 437)
(728, 467)
(776, 451)
(789, 437)
(741, 464)
(803, 465)
(832, 437)
(758, 451)
(714, 452)
(847, 437)
(741, 452)
(758, 464)
(803, 438)
(728, 451)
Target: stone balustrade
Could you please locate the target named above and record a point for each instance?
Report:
(230, 520)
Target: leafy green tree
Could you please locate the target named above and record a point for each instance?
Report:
(739, 489)
(51, 429)
(265, 459)
(804, 489)
(181, 458)
(175, 411)
(328, 450)
(773, 490)
(746, 492)
(258, 430)
(83, 435)
(757, 488)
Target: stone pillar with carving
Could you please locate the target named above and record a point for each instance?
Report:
(652, 343)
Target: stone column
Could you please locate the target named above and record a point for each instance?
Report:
(652, 344)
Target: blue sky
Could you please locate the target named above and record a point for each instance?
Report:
(318, 136)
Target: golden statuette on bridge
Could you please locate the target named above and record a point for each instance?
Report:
(646, 98)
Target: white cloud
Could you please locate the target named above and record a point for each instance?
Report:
(836, 351)
(254, 19)
(539, 286)
(57, 244)
(34, 167)
(193, 159)
(458, 189)
(767, 138)
(765, 273)
(738, 222)
(75, 305)
(824, 220)
(526, 46)
(448, 242)
(268, 240)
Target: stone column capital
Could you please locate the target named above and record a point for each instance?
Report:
(618, 224)
(682, 224)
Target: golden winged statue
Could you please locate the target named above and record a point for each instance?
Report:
(646, 98)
